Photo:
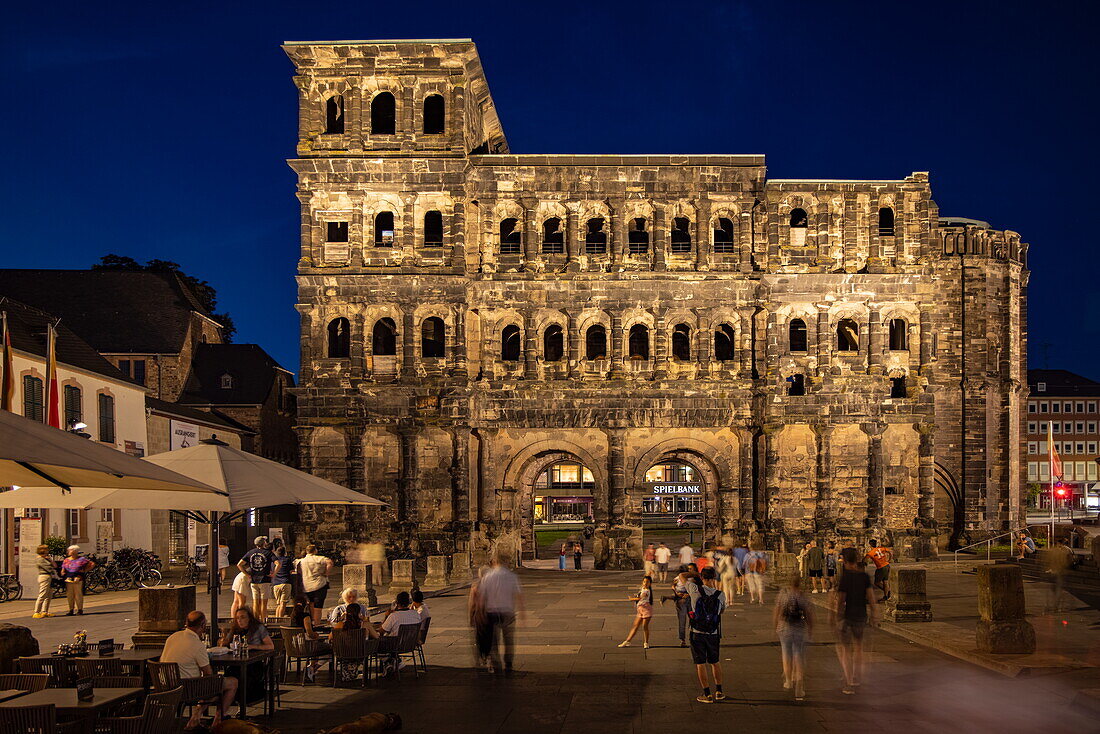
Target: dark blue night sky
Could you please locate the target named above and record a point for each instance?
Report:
(160, 130)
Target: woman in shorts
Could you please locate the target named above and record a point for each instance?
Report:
(830, 565)
(643, 613)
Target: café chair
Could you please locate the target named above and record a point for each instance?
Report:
(352, 646)
(159, 716)
(205, 689)
(37, 719)
(299, 647)
(29, 682)
(402, 645)
(94, 667)
(60, 669)
(420, 643)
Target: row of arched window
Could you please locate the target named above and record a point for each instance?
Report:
(800, 220)
(433, 340)
(383, 115)
(385, 232)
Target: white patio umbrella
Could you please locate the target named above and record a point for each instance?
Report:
(57, 469)
(251, 481)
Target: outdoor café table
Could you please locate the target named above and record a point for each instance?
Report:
(67, 704)
(255, 658)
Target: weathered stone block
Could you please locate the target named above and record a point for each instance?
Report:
(402, 578)
(460, 567)
(164, 608)
(1001, 624)
(439, 572)
(360, 576)
(15, 642)
(908, 601)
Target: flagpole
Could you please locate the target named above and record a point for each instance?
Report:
(1050, 458)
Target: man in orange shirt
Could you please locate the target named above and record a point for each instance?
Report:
(881, 557)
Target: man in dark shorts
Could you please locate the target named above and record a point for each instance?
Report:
(881, 557)
(707, 605)
(815, 566)
(855, 609)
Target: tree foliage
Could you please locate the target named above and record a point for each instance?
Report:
(205, 293)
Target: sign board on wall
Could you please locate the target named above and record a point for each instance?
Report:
(104, 538)
(134, 448)
(184, 435)
(30, 530)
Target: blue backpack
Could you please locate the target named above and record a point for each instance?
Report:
(706, 615)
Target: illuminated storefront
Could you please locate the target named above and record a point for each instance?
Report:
(672, 489)
(563, 494)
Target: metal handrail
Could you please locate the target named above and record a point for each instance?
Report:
(988, 542)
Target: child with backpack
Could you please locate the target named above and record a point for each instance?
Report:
(707, 603)
(794, 623)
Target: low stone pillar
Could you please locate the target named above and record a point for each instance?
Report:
(163, 610)
(439, 573)
(908, 600)
(1001, 624)
(374, 554)
(785, 566)
(15, 642)
(359, 576)
(460, 567)
(402, 578)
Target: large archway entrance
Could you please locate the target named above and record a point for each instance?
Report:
(672, 504)
(563, 499)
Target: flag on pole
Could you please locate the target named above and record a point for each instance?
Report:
(53, 412)
(7, 369)
(1055, 460)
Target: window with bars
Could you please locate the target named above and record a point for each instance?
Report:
(681, 235)
(511, 241)
(33, 402)
(74, 408)
(553, 238)
(723, 235)
(637, 237)
(106, 418)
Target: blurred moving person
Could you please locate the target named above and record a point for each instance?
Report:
(854, 610)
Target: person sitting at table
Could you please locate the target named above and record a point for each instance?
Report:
(301, 615)
(188, 651)
(254, 633)
(420, 608)
(355, 620)
(401, 614)
(349, 596)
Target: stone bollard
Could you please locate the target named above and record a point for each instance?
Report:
(15, 642)
(162, 610)
(402, 578)
(359, 576)
(438, 573)
(786, 566)
(908, 601)
(460, 567)
(1001, 624)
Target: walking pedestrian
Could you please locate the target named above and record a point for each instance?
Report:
(881, 557)
(707, 602)
(793, 620)
(314, 570)
(649, 559)
(756, 565)
(241, 592)
(47, 572)
(73, 570)
(831, 559)
(662, 555)
(643, 613)
(854, 610)
(562, 552)
(260, 564)
(479, 622)
(725, 564)
(740, 551)
(1059, 564)
(815, 567)
(687, 554)
(502, 597)
(578, 553)
(281, 584)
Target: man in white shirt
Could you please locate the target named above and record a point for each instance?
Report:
(687, 554)
(187, 650)
(314, 570)
(662, 554)
(502, 598)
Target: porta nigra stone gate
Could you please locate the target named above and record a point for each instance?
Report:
(830, 358)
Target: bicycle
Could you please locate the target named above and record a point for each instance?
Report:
(10, 587)
(192, 573)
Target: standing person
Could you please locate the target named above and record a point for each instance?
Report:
(187, 650)
(707, 602)
(479, 621)
(881, 557)
(649, 559)
(314, 570)
(281, 583)
(687, 554)
(47, 572)
(578, 553)
(725, 564)
(794, 623)
(756, 565)
(260, 565)
(662, 555)
(223, 561)
(1059, 564)
(562, 553)
(502, 597)
(740, 550)
(241, 592)
(643, 613)
(682, 600)
(830, 565)
(815, 567)
(802, 559)
(73, 570)
(854, 610)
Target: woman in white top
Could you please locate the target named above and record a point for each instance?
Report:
(643, 607)
(242, 592)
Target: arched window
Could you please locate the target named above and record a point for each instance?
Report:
(433, 229)
(847, 336)
(899, 335)
(553, 238)
(384, 338)
(681, 234)
(434, 117)
(227, 381)
(799, 220)
(797, 335)
(897, 388)
(681, 342)
(595, 239)
(553, 343)
(510, 344)
(886, 222)
(724, 343)
(595, 343)
(510, 237)
(334, 115)
(723, 235)
(383, 229)
(638, 342)
(796, 385)
(433, 338)
(339, 338)
(383, 114)
(637, 237)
